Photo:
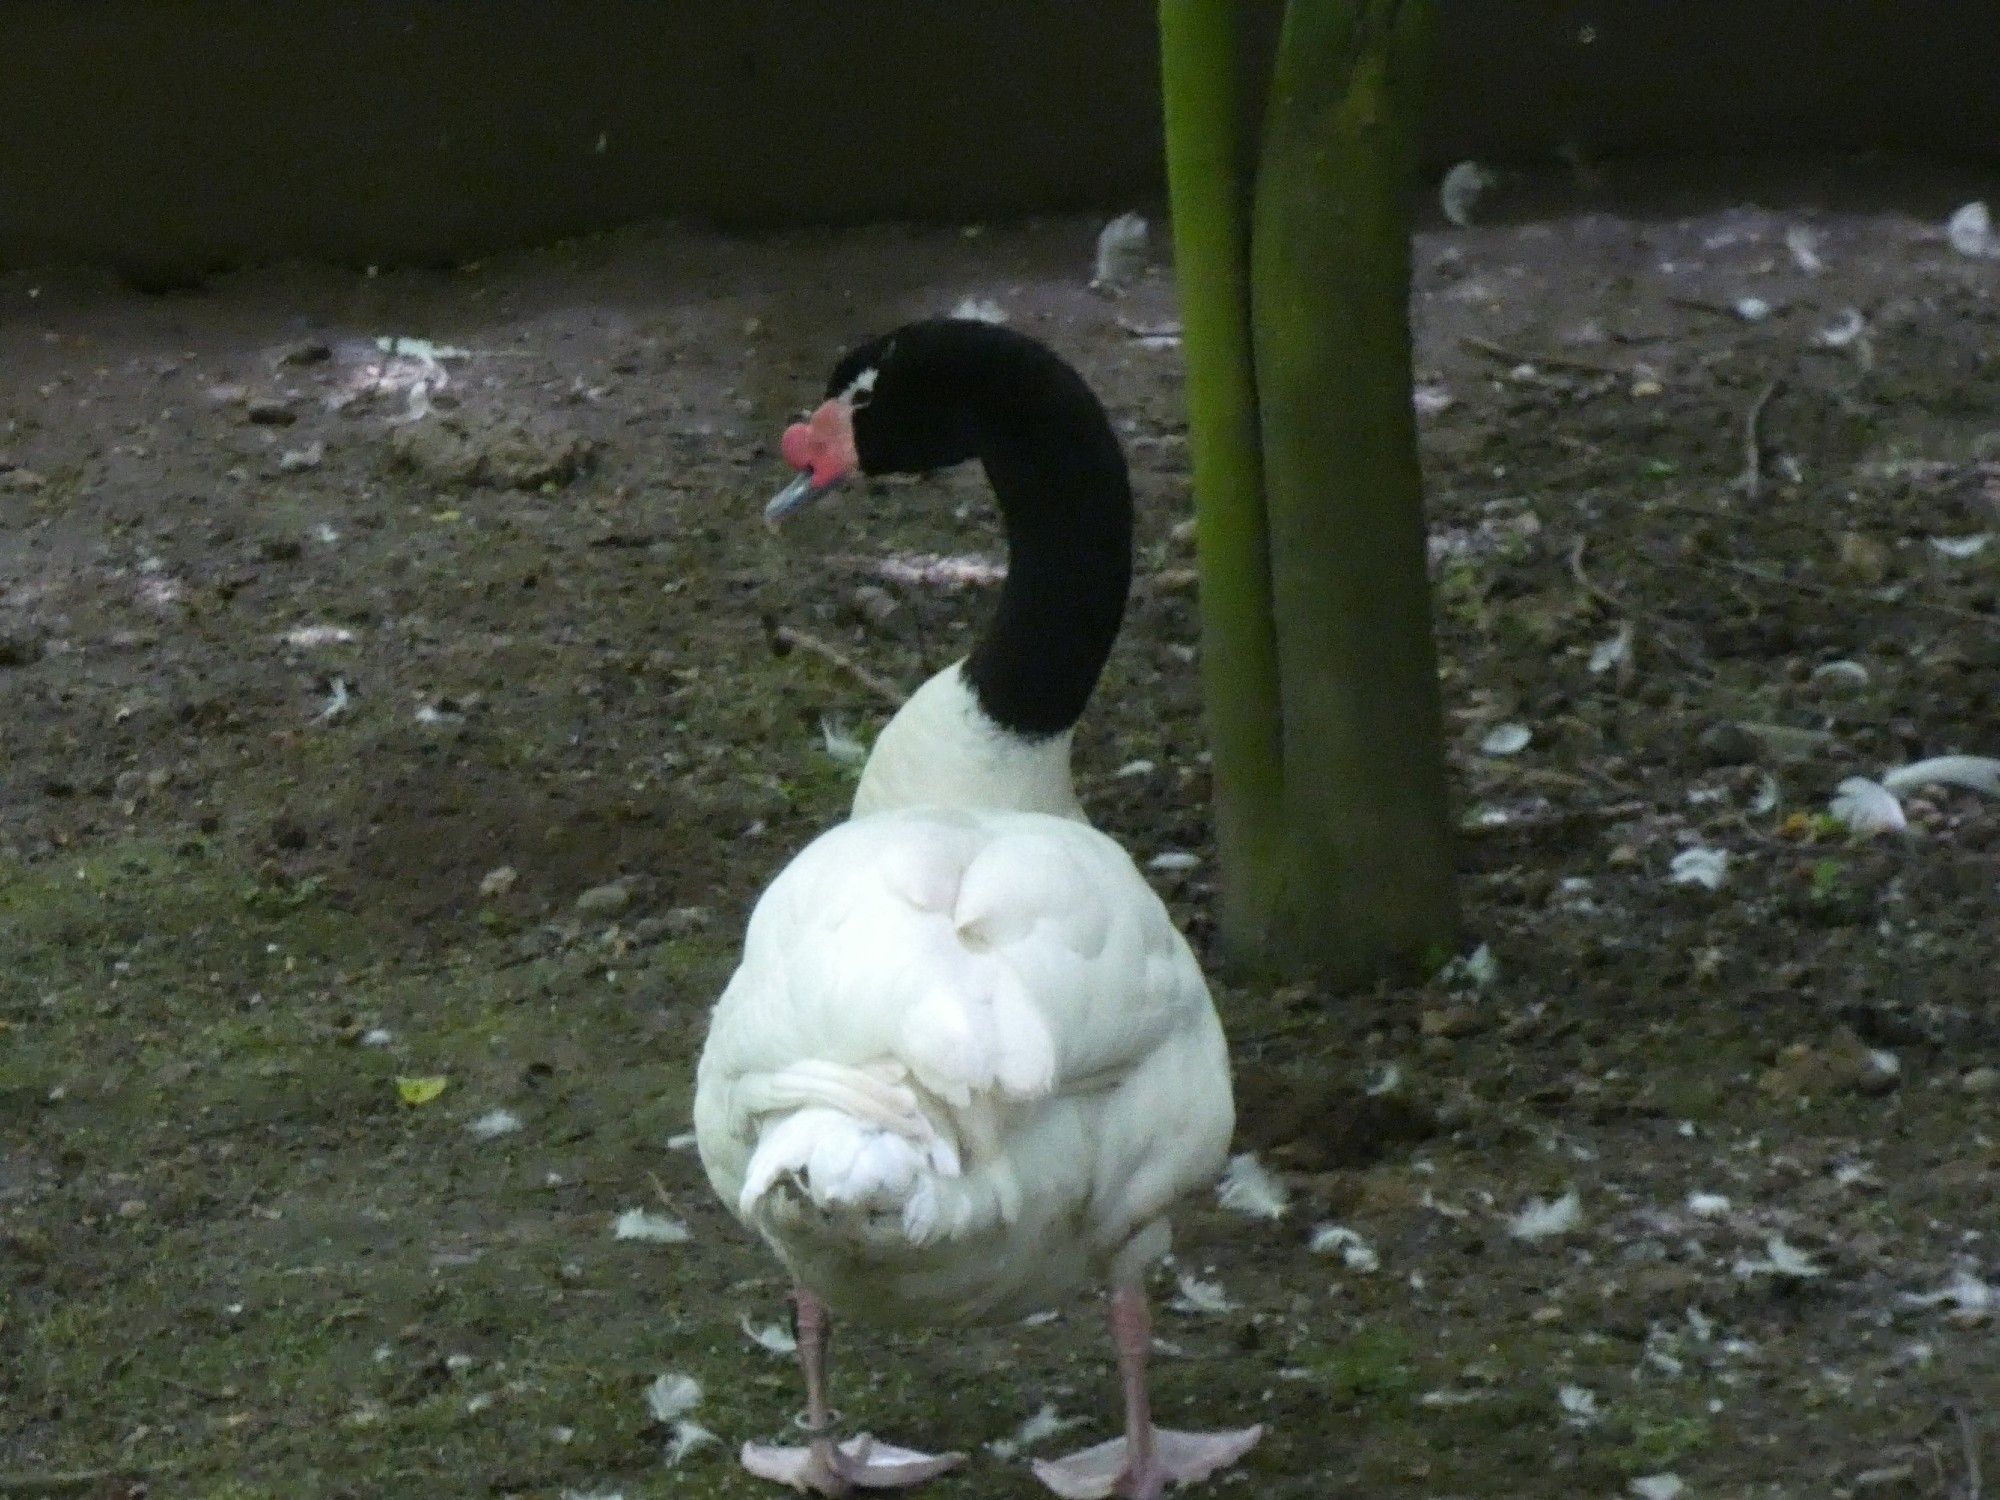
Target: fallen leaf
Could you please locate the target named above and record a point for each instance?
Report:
(417, 1091)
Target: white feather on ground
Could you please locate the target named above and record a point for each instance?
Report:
(1248, 1188)
(1867, 807)
(642, 1224)
(1121, 253)
(1541, 1220)
(1974, 773)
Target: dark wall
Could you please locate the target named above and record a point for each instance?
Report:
(167, 136)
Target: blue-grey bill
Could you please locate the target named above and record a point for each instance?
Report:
(790, 498)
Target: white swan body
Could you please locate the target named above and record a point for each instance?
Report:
(967, 1062)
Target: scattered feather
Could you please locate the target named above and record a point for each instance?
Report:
(1766, 798)
(980, 310)
(1867, 807)
(1804, 245)
(1386, 1082)
(1038, 1428)
(593, 1495)
(1173, 860)
(337, 700)
(1965, 1292)
(1354, 1252)
(1707, 1205)
(1961, 547)
(1476, 970)
(399, 347)
(1970, 231)
(1974, 773)
(1701, 866)
(1657, 1487)
(1843, 673)
(420, 1091)
(929, 570)
(1198, 1296)
(688, 1436)
(1752, 309)
(377, 1036)
(1461, 190)
(685, 1141)
(306, 637)
(1506, 739)
(1432, 400)
(1783, 1260)
(1613, 652)
(840, 742)
(1249, 1189)
(773, 1338)
(296, 460)
(643, 1224)
(672, 1396)
(494, 1124)
(1121, 253)
(498, 881)
(1133, 768)
(1843, 330)
(1545, 1220)
(1579, 1405)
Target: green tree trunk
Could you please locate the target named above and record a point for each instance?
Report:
(1207, 167)
(1369, 872)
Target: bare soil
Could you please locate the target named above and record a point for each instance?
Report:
(306, 761)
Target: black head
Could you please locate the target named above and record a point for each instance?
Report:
(945, 390)
(948, 390)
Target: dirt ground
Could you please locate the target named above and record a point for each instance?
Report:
(349, 747)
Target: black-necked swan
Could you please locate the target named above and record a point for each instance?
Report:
(967, 1062)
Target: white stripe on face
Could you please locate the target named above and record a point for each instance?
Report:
(861, 385)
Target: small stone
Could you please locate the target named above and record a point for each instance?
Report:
(21, 648)
(293, 460)
(875, 604)
(1728, 744)
(1450, 1021)
(498, 881)
(1980, 1080)
(269, 411)
(1862, 559)
(604, 900)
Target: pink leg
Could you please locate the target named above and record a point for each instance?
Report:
(824, 1466)
(1140, 1465)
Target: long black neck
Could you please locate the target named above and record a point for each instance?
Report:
(1066, 500)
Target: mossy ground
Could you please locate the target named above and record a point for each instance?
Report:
(235, 1263)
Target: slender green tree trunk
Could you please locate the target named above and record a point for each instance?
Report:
(1370, 872)
(1207, 173)
(1320, 666)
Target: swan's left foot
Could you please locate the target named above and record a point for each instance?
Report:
(824, 1467)
(1176, 1458)
(860, 1463)
(1140, 1465)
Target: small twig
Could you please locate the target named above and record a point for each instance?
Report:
(1553, 361)
(1752, 477)
(660, 1188)
(1969, 1440)
(59, 1482)
(1585, 582)
(1691, 660)
(1832, 591)
(881, 687)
